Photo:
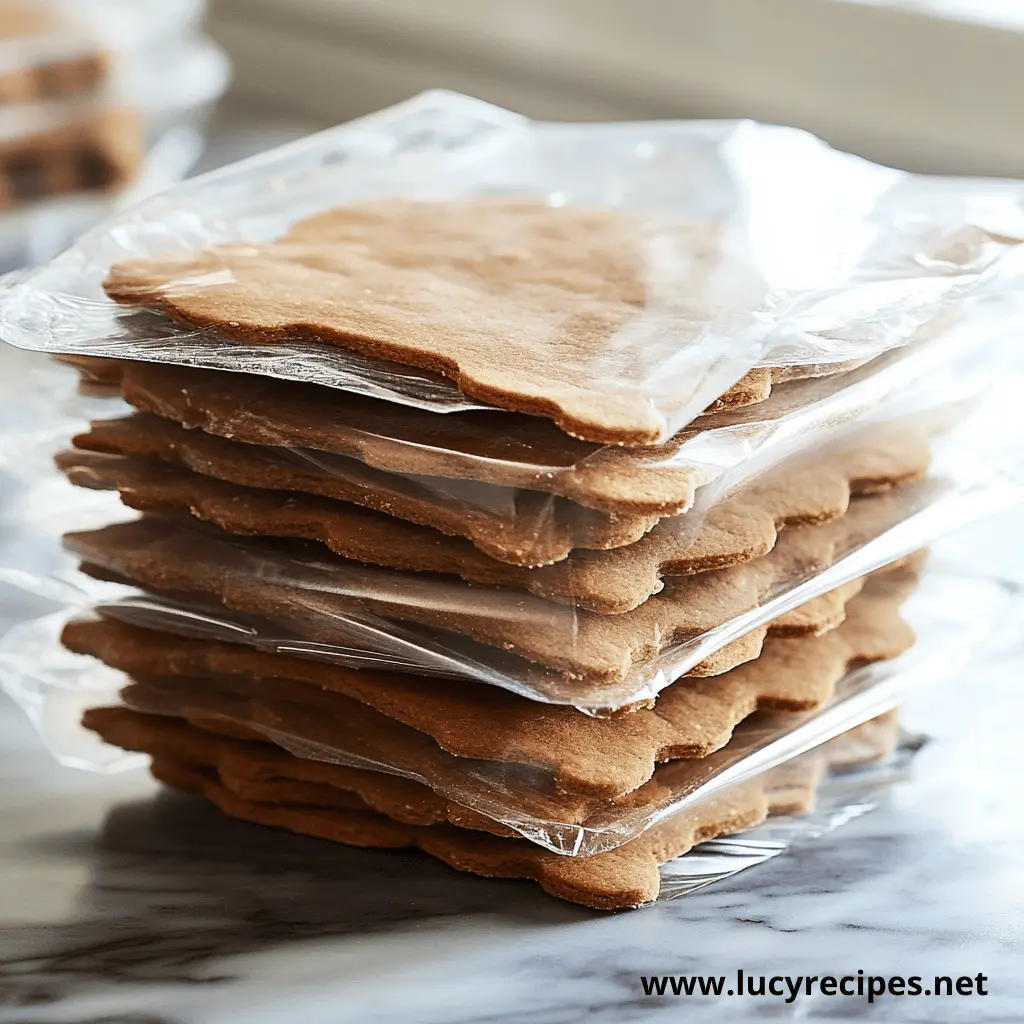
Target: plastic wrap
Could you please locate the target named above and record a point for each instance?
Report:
(952, 616)
(752, 246)
(514, 486)
(840, 797)
(279, 596)
(300, 598)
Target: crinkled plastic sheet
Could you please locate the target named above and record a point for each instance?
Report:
(296, 597)
(841, 797)
(953, 616)
(525, 494)
(326, 608)
(343, 629)
(823, 258)
(41, 406)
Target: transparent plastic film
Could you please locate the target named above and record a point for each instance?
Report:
(320, 735)
(41, 405)
(840, 797)
(445, 249)
(514, 487)
(289, 595)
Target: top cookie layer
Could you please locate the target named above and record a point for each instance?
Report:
(598, 319)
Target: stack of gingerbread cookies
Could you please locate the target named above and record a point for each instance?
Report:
(55, 67)
(518, 635)
(99, 101)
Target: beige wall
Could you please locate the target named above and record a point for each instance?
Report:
(889, 80)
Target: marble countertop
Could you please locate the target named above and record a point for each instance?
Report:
(119, 903)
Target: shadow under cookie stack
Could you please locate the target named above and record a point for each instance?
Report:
(518, 603)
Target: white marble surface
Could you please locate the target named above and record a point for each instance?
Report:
(122, 904)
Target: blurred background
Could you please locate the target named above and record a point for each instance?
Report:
(931, 85)
(105, 101)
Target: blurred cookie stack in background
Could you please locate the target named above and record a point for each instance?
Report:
(101, 102)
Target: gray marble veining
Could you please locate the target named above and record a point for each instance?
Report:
(122, 903)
